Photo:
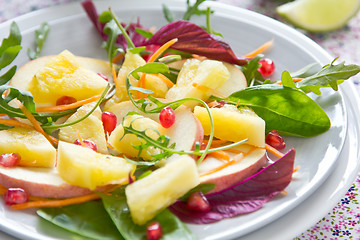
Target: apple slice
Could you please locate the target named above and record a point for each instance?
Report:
(26, 72)
(245, 163)
(41, 182)
(185, 132)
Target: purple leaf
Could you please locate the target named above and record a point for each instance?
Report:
(245, 197)
(195, 40)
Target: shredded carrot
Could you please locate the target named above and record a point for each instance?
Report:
(68, 106)
(260, 49)
(294, 80)
(15, 123)
(209, 90)
(166, 80)
(56, 203)
(117, 58)
(273, 150)
(141, 82)
(296, 169)
(198, 57)
(109, 145)
(116, 80)
(284, 192)
(80, 138)
(218, 168)
(3, 115)
(36, 124)
(238, 102)
(220, 155)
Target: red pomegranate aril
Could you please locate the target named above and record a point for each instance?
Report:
(9, 159)
(88, 143)
(267, 67)
(153, 231)
(15, 196)
(274, 139)
(109, 121)
(167, 117)
(198, 202)
(103, 76)
(65, 100)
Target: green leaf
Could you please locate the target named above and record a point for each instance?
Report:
(169, 16)
(40, 38)
(193, 9)
(250, 71)
(14, 38)
(119, 212)
(203, 187)
(288, 110)
(112, 31)
(5, 78)
(105, 17)
(144, 33)
(9, 55)
(305, 71)
(329, 76)
(154, 68)
(287, 80)
(87, 219)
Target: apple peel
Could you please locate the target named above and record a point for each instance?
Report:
(246, 196)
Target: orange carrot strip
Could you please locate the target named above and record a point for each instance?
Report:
(273, 151)
(36, 124)
(141, 84)
(56, 203)
(15, 123)
(294, 80)
(296, 169)
(220, 155)
(260, 49)
(198, 57)
(218, 168)
(166, 80)
(207, 89)
(162, 49)
(117, 58)
(116, 80)
(68, 106)
(80, 138)
(3, 115)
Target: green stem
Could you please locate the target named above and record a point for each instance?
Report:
(128, 39)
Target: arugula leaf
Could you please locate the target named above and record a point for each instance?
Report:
(193, 9)
(40, 38)
(329, 76)
(287, 110)
(5, 78)
(169, 16)
(118, 210)
(86, 219)
(251, 73)
(14, 38)
(112, 31)
(287, 80)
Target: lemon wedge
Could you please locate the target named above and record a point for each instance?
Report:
(319, 15)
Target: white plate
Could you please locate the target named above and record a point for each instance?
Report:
(244, 30)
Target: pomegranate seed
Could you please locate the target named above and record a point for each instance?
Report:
(274, 139)
(65, 100)
(167, 117)
(220, 104)
(88, 143)
(9, 159)
(15, 196)
(198, 202)
(267, 67)
(153, 231)
(103, 76)
(109, 121)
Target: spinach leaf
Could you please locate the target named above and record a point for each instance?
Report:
(118, 210)
(40, 38)
(329, 76)
(87, 219)
(288, 110)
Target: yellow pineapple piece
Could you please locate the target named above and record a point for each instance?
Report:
(35, 150)
(63, 76)
(81, 166)
(233, 124)
(91, 128)
(152, 194)
(208, 74)
(124, 144)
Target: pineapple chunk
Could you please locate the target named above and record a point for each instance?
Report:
(81, 166)
(233, 124)
(34, 149)
(90, 128)
(63, 76)
(124, 144)
(152, 82)
(152, 194)
(208, 73)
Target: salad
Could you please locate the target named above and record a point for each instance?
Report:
(173, 128)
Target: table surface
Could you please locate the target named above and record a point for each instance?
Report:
(343, 221)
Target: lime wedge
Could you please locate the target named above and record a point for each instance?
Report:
(319, 15)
